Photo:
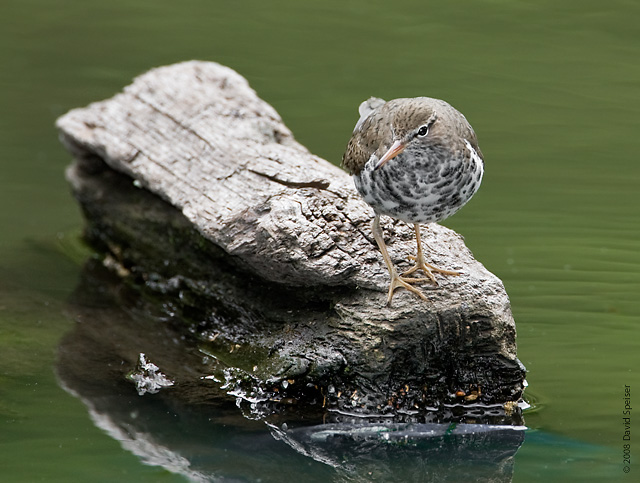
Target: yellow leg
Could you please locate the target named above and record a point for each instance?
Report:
(421, 264)
(396, 280)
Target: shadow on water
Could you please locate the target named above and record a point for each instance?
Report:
(192, 427)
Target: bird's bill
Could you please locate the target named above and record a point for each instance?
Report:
(395, 149)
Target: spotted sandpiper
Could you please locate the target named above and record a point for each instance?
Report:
(416, 160)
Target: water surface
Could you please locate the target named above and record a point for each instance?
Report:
(552, 91)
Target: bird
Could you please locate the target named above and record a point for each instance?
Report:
(416, 160)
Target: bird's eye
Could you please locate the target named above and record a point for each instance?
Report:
(423, 131)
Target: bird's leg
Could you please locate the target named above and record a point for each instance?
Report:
(396, 280)
(421, 264)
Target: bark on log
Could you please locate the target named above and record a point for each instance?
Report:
(269, 246)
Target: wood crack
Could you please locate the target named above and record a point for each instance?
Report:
(317, 184)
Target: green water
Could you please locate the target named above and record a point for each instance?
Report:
(552, 89)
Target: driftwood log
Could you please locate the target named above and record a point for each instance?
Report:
(194, 190)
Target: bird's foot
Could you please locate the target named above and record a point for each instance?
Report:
(427, 269)
(398, 281)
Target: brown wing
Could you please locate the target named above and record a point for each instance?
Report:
(366, 140)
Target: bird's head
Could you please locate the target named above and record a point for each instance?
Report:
(409, 128)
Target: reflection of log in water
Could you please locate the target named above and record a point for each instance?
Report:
(410, 452)
(194, 189)
(193, 428)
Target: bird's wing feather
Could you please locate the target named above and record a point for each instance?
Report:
(366, 108)
(366, 137)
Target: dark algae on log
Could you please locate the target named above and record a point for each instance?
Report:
(197, 194)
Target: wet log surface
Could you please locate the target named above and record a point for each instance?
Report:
(195, 192)
(193, 428)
